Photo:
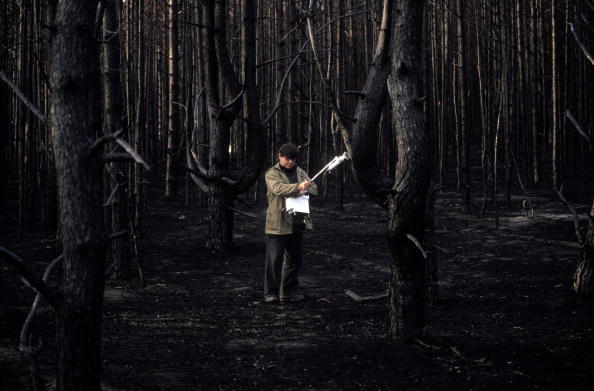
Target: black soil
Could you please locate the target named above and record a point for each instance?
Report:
(505, 318)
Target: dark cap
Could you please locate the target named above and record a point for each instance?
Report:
(289, 150)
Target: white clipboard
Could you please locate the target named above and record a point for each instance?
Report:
(297, 204)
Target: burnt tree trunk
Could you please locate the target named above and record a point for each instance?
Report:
(170, 181)
(407, 202)
(369, 110)
(114, 121)
(462, 140)
(554, 101)
(219, 194)
(398, 52)
(583, 282)
(75, 123)
(224, 184)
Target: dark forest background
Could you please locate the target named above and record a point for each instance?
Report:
(507, 85)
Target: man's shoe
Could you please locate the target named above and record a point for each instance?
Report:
(292, 297)
(270, 298)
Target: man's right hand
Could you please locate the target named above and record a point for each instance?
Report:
(304, 185)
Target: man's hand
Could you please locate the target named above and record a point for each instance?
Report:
(304, 186)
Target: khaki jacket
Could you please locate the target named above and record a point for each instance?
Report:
(277, 221)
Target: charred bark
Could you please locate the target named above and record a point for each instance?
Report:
(220, 231)
(369, 109)
(224, 184)
(114, 121)
(75, 122)
(583, 283)
(170, 180)
(406, 205)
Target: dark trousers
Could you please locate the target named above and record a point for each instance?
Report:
(284, 256)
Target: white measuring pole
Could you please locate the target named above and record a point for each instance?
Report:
(333, 163)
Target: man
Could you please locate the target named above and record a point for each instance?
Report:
(284, 231)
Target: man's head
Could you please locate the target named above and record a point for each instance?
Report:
(287, 155)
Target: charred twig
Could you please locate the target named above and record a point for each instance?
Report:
(581, 45)
(105, 139)
(527, 200)
(575, 217)
(115, 235)
(234, 100)
(359, 94)
(208, 178)
(30, 279)
(418, 244)
(130, 154)
(577, 126)
(426, 345)
(112, 195)
(24, 340)
(137, 158)
(359, 298)
(442, 249)
(25, 345)
(134, 236)
(23, 98)
(112, 35)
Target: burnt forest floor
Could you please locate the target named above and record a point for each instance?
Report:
(505, 318)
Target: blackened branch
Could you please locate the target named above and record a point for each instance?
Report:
(23, 98)
(25, 345)
(30, 279)
(572, 209)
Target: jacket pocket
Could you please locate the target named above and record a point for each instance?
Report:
(272, 221)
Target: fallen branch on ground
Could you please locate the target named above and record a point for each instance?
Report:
(359, 298)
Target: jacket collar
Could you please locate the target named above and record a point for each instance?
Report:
(297, 170)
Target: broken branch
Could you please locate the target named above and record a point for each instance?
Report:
(359, 298)
(104, 139)
(581, 45)
(25, 345)
(137, 158)
(416, 242)
(577, 126)
(23, 98)
(30, 279)
(572, 209)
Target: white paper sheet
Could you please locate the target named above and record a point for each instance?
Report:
(298, 204)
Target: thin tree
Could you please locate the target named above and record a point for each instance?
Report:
(583, 279)
(115, 122)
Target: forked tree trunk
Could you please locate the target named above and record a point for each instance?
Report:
(224, 183)
(220, 231)
(75, 123)
(583, 281)
(406, 218)
(113, 102)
